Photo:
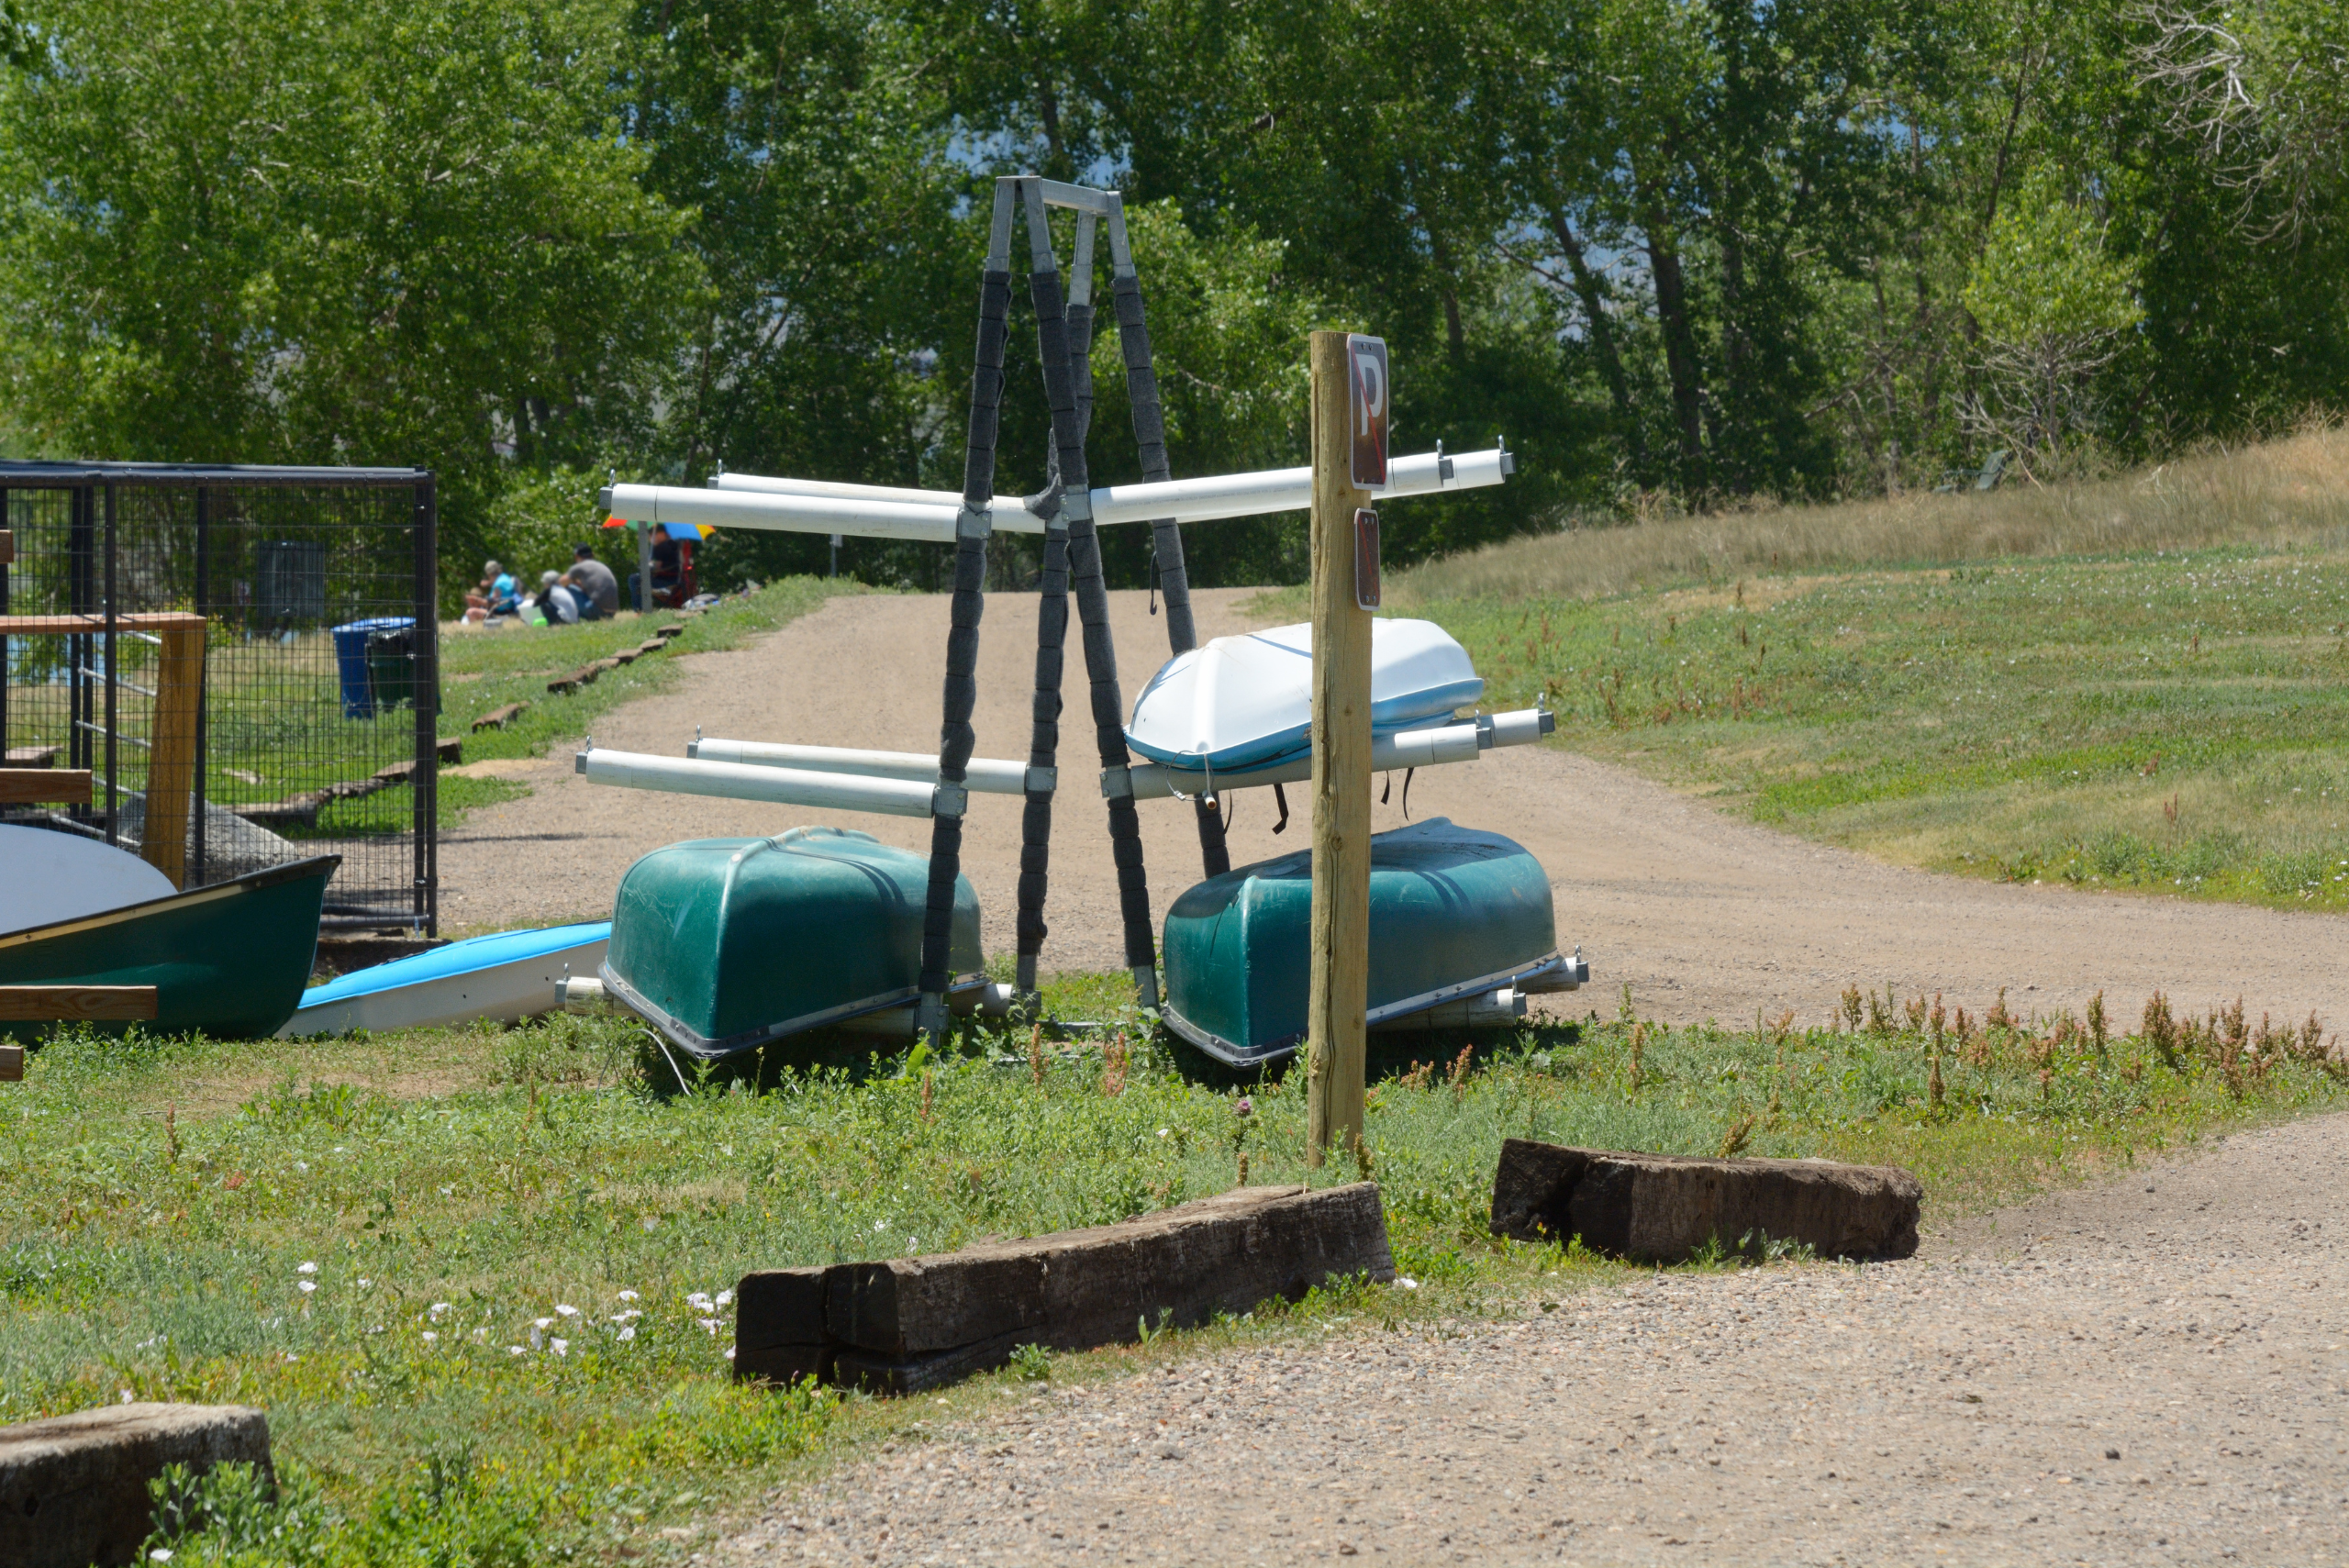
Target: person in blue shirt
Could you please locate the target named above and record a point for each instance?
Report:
(498, 594)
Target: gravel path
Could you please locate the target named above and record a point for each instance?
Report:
(2148, 1371)
(1703, 915)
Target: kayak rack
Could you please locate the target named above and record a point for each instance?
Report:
(1067, 513)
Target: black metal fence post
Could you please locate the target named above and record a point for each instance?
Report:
(203, 608)
(113, 685)
(425, 644)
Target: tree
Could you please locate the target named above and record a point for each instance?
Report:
(319, 231)
(2052, 304)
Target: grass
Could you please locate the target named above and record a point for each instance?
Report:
(476, 1277)
(484, 671)
(2279, 493)
(2172, 722)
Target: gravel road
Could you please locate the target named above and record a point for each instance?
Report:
(1703, 915)
(2151, 1370)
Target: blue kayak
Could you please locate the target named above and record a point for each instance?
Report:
(507, 976)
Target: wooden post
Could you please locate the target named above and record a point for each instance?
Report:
(1335, 1025)
(171, 759)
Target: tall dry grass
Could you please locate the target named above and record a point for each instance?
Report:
(2290, 491)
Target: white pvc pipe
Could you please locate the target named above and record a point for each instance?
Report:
(791, 514)
(735, 781)
(874, 511)
(1411, 748)
(985, 775)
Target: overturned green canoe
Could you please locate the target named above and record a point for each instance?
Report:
(1453, 912)
(724, 944)
(229, 960)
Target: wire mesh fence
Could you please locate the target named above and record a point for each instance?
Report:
(245, 661)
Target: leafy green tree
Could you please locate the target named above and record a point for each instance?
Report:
(2052, 304)
(319, 231)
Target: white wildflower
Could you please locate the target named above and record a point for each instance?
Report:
(561, 1311)
(307, 1285)
(725, 1297)
(430, 1337)
(560, 1346)
(306, 1269)
(628, 1296)
(627, 1333)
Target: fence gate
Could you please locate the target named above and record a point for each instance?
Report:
(247, 661)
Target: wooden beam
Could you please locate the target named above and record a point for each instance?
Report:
(8, 548)
(55, 1004)
(44, 787)
(1338, 994)
(12, 1063)
(144, 620)
(499, 719)
(171, 764)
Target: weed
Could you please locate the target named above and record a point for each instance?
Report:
(1032, 1363)
(1733, 1140)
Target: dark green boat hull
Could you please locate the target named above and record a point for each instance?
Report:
(229, 960)
(1453, 912)
(724, 944)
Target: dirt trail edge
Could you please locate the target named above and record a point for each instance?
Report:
(1705, 916)
(2148, 1371)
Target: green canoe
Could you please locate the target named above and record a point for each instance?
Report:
(1454, 913)
(724, 944)
(229, 960)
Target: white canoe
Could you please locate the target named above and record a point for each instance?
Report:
(1240, 701)
(47, 877)
(508, 977)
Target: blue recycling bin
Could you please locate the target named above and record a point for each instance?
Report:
(351, 661)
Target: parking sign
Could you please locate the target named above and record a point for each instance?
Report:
(1371, 398)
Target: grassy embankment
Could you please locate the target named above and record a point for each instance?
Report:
(476, 1277)
(2137, 683)
(484, 669)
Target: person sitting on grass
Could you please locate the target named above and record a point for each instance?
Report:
(498, 594)
(668, 564)
(592, 582)
(556, 605)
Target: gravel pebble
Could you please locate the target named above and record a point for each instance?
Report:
(2151, 1371)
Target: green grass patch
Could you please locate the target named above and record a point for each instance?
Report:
(477, 1277)
(2174, 722)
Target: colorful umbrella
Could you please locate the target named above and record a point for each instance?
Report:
(693, 532)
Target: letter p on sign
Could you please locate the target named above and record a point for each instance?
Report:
(1371, 398)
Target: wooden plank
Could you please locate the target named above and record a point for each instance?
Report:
(1338, 994)
(53, 1004)
(44, 787)
(1664, 1208)
(498, 718)
(143, 620)
(8, 548)
(30, 757)
(905, 1324)
(85, 1480)
(170, 762)
(12, 1063)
